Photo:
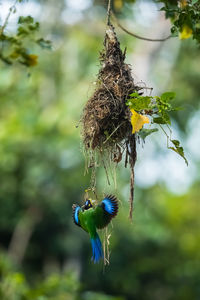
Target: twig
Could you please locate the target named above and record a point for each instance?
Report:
(132, 160)
(136, 35)
(7, 18)
(107, 176)
(131, 198)
(168, 138)
(113, 132)
(108, 12)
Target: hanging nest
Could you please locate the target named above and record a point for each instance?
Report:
(106, 117)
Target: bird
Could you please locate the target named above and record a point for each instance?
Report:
(91, 217)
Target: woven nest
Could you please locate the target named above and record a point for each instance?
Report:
(106, 117)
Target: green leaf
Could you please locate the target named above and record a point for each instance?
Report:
(34, 27)
(176, 143)
(139, 103)
(25, 20)
(45, 44)
(178, 149)
(143, 133)
(159, 120)
(166, 97)
(165, 116)
(5, 60)
(22, 31)
(174, 31)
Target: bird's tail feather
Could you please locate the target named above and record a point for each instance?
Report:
(96, 249)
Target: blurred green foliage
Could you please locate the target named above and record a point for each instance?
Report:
(43, 255)
(183, 13)
(16, 47)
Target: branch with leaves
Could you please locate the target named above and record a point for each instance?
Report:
(158, 109)
(14, 48)
(185, 18)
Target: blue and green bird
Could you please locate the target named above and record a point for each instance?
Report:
(91, 217)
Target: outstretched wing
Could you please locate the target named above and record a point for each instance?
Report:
(75, 214)
(105, 211)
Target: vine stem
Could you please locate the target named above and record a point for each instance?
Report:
(136, 35)
(7, 17)
(108, 12)
(168, 138)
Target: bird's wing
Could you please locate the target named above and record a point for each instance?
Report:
(75, 214)
(105, 211)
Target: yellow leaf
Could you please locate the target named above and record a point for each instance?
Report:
(137, 121)
(118, 5)
(32, 60)
(185, 33)
(183, 3)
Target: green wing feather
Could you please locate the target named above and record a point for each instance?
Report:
(105, 211)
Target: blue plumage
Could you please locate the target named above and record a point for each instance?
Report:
(76, 214)
(96, 249)
(110, 205)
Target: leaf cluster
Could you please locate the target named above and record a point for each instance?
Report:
(158, 108)
(15, 47)
(183, 13)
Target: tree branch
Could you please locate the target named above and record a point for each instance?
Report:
(22, 233)
(138, 36)
(7, 17)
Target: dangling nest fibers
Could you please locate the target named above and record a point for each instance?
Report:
(106, 117)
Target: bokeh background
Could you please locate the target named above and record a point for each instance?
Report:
(43, 255)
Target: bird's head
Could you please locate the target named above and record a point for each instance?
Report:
(88, 204)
